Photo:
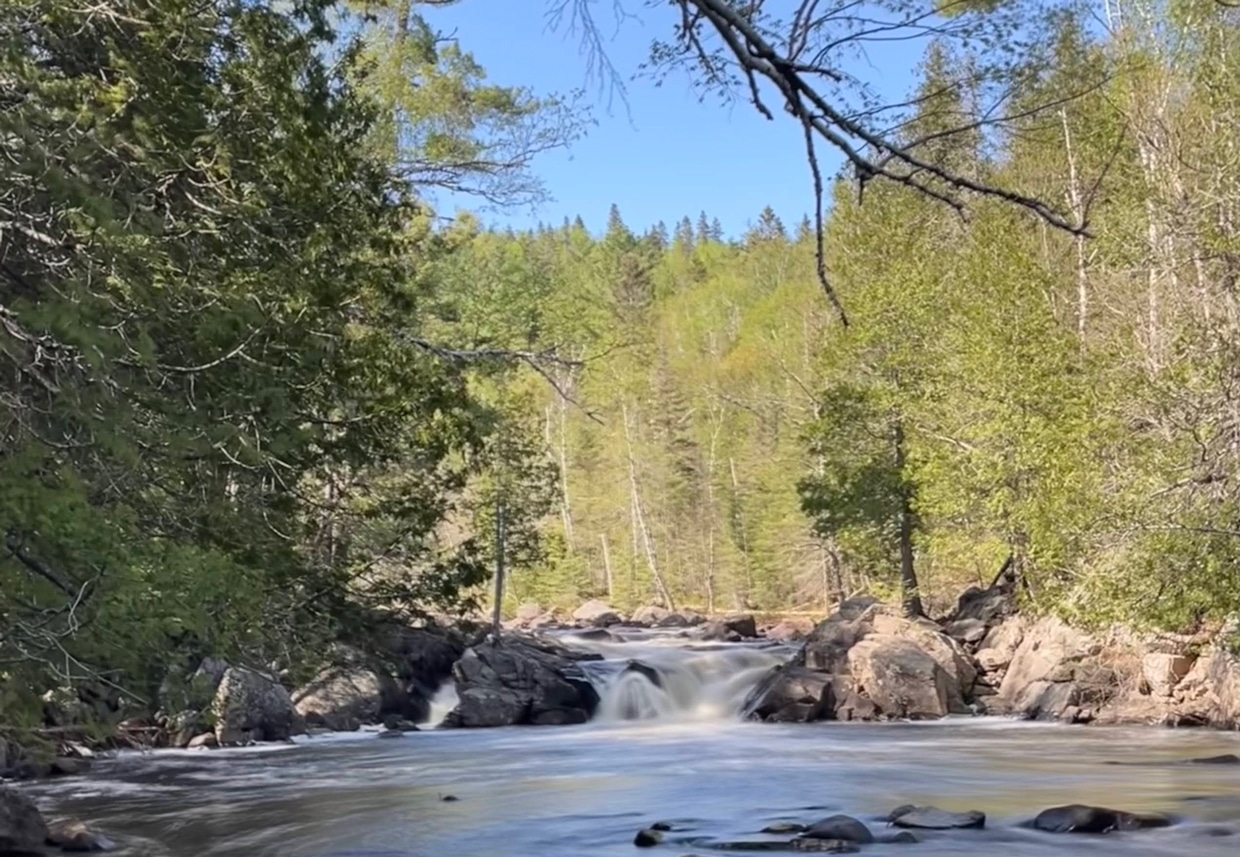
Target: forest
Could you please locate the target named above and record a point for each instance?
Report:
(254, 385)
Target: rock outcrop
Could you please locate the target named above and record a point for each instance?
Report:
(865, 662)
(250, 706)
(520, 680)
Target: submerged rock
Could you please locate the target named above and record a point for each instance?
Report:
(648, 838)
(518, 680)
(74, 836)
(1078, 818)
(785, 827)
(22, 828)
(827, 846)
(933, 818)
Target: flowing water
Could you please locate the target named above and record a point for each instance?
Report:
(674, 753)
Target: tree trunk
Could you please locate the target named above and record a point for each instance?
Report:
(908, 574)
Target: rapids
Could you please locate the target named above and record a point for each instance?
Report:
(678, 752)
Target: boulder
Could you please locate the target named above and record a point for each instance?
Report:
(205, 741)
(900, 677)
(715, 632)
(789, 693)
(527, 613)
(681, 619)
(844, 828)
(74, 836)
(250, 706)
(649, 616)
(1076, 818)
(741, 624)
(996, 650)
(785, 632)
(517, 680)
(597, 614)
(968, 631)
(1162, 672)
(933, 818)
(342, 698)
(22, 828)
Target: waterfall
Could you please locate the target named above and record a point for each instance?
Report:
(648, 676)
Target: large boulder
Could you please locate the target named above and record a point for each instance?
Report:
(901, 678)
(649, 616)
(519, 680)
(250, 706)
(791, 693)
(597, 614)
(345, 697)
(868, 662)
(995, 652)
(22, 828)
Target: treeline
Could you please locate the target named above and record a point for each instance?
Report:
(1005, 394)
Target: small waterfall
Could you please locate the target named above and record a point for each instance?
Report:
(664, 678)
(442, 703)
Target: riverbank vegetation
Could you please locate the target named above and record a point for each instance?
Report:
(253, 385)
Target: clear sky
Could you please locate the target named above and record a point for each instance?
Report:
(669, 154)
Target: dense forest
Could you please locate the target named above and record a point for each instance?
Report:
(254, 386)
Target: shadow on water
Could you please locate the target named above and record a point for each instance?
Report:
(556, 792)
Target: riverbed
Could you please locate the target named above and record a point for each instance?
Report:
(586, 790)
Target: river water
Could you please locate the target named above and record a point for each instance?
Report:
(584, 791)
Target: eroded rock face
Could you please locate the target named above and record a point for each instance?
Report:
(520, 680)
(250, 706)
(22, 828)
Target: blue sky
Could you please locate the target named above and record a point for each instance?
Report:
(668, 154)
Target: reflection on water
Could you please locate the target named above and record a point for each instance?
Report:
(561, 791)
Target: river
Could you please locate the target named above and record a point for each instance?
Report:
(584, 791)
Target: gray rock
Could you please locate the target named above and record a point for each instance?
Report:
(205, 741)
(1077, 818)
(342, 697)
(900, 677)
(785, 827)
(597, 614)
(519, 680)
(648, 838)
(933, 818)
(649, 616)
(742, 624)
(840, 827)
(790, 693)
(827, 846)
(22, 828)
(249, 706)
(74, 836)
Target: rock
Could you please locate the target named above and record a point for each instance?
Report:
(716, 632)
(828, 846)
(649, 616)
(1162, 672)
(205, 741)
(342, 697)
(527, 613)
(742, 624)
(967, 630)
(902, 837)
(22, 828)
(785, 827)
(682, 619)
(989, 605)
(520, 680)
(70, 766)
(789, 693)
(933, 818)
(841, 827)
(75, 836)
(996, 650)
(648, 838)
(651, 674)
(249, 706)
(597, 614)
(900, 678)
(784, 632)
(1046, 655)
(420, 660)
(1076, 818)
(597, 635)
(1224, 759)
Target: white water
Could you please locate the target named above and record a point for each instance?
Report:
(702, 681)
